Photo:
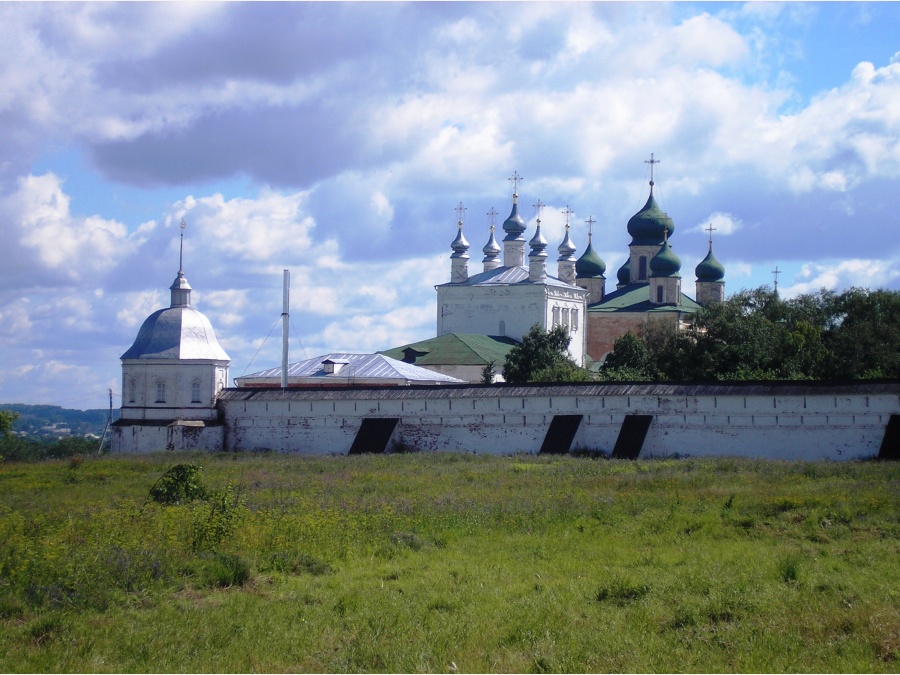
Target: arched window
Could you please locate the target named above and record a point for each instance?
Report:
(659, 294)
(642, 268)
(502, 329)
(195, 391)
(160, 391)
(132, 390)
(574, 320)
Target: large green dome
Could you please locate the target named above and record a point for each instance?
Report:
(590, 265)
(665, 263)
(650, 225)
(710, 269)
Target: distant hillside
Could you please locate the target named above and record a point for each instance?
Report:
(52, 421)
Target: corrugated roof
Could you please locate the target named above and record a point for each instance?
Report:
(457, 349)
(636, 298)
(358, 366)
(791, 388)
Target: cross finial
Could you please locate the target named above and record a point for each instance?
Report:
(651, 162)
(460, 210)
(516, 179)
(539, 205)
(590, 221)
(776, 272)
(181, 248)
(567, 212)
(710, 229)
(492, 214)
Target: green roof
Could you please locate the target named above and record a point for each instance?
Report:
(636, 298)
(456, 349)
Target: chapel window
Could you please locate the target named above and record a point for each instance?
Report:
(642, 268)
(160, 392)
(565, 316)
(659, 294)
(132, 390)
(195, 391)
(555, 316)
(574, 320)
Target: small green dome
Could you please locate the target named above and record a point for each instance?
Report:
(590, 265)
(650, 225)
(665, 263)
(623, 276)
(710, 269)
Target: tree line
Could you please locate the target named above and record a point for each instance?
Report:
(753, 335)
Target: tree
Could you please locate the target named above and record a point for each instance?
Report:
(487, 373)
(7, 419)
(542, 356)
(630, 359)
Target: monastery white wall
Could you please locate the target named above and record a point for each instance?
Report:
(485, 420)
(142, 438)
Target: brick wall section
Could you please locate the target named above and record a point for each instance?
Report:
(604, 328)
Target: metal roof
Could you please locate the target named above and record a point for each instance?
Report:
(784, 388)
(509, 276)
(176, 333)
(357, 367)
(636, 298)
(457, 349)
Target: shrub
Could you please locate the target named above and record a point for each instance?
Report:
(179, 484)
(223, 570)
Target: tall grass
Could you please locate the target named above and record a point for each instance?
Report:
(450, 562)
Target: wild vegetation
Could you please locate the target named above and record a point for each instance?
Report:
(542, 356)
(755, 335)
(444, 562)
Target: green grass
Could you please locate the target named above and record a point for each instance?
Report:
(450, 562)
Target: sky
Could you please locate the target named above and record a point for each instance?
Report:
(336, 139)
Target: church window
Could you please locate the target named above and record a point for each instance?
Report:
(574, 320)
(160, 392)
(195, 391)
(565, 317)
(659, 294)
(502, 329)
(132, 390)
(642, 268)
(555, 316)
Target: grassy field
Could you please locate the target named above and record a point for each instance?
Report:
(450, 563)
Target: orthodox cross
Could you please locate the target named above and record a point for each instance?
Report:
(651, 162)
(776, 272)
(516, 179)
(567, 212)
(539, 205)
(181, 247)
(710, 229)
(460, 210)
(590, 221)
(491, 214)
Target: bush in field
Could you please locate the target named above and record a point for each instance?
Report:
(222, 570)
(179, 484)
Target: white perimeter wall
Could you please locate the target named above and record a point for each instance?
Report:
(777, 427)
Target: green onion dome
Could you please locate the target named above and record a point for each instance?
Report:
(650, 225)
(590, 265)
(709, 268)
(665, 263)
(623, 276)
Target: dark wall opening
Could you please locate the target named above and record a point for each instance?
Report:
(890, 444)
(373, 435)
(560, 435)
(631, 436)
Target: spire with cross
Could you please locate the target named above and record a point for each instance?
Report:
(567, 212)
(491, 215)
(651, 162)
(516, 179)
(181, 248)
(776, 272)
(710, 229)
(460, 212)
(539, 206)
(590, 221)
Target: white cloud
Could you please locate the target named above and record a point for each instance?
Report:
(723, 224)
(842, 274)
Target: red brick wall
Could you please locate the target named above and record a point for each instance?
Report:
(603, 329)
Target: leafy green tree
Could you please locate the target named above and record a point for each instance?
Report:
(7, 419)
(630, 359)
(542, 356)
